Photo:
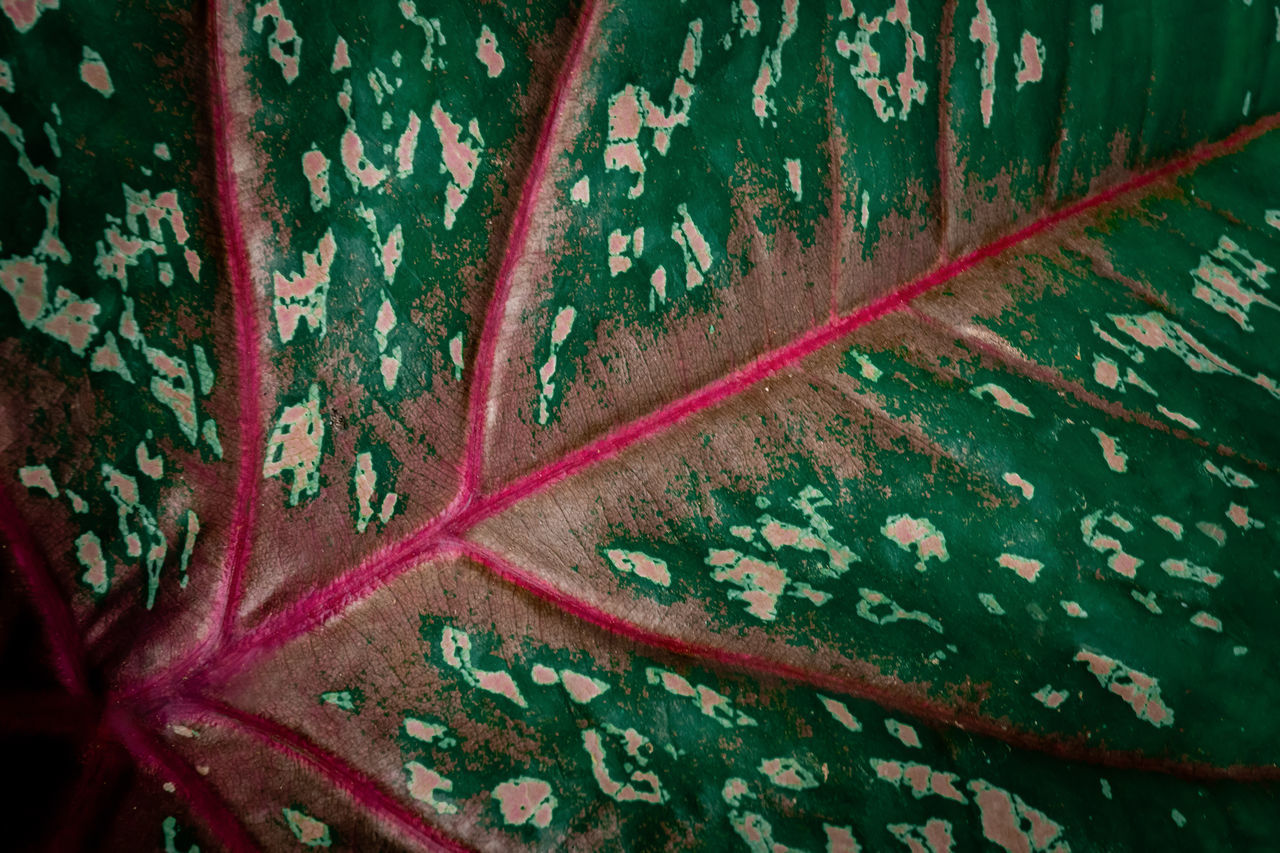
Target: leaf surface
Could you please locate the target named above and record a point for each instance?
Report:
(730, 425)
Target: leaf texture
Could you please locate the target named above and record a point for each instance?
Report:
(738, 425)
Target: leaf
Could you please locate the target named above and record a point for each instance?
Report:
(729, 426)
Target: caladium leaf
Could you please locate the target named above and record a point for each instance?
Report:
(811, 426)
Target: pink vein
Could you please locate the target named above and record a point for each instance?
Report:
(618, 440)
(55, 614)
(368, 794)
(889, 694)
(463, 513)
(517, 241)
(1015, 361)
(327, 602)
(246, 324)
(161, 760)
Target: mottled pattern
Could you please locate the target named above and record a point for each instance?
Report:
(582, 425)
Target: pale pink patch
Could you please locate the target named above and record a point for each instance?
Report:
(424, 784)
(93, 71)
(778, 536)
(840, 838)
(1026, 568)
(1169, 526)
(697, 243)
(1074, 609)
(793, 177)
(889, 771)
(24, 280)
(1115, 460)
(1139, 690)
(487, 52)
(544, 675)
(303, 297)
(340, 58)
(903, 732)
(315, 166)
(71, 320)
(152, 466)
(562, 325)
(1002, 398)
(840, 711)
(982, 29)
(1179, 418)
(1010, 822)
(581, 191)
(677, 685)
(25, 13)
(38, 477)
(1049, 697)
(1124, 564)
(500, 683)
(734, 790)
(581, 689)
(459, 158)
(391, 254)
(1239, 516)
(1019, 483)
(1207, 621)
(89, 553)
(525, 800)
(407, 145)
(423, 731)
(759, 103)
(359, 170)
(1213, 531)
(1030, 61)
(1106, 372)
